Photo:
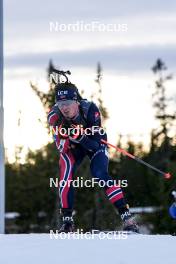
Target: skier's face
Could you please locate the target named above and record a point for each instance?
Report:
(69, 108)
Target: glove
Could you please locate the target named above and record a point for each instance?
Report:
(76, 134)
(63, 146)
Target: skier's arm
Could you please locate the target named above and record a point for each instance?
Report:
(92, 142)
(85, 142)
(53, 121)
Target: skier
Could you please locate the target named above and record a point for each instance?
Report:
(172, 208)
(69, 111)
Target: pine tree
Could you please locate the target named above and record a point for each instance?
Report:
(160, 104)
(162, 150)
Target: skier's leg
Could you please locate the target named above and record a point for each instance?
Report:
(99, 169)
(67, 165)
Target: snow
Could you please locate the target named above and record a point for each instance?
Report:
(46, 249)
(11, 215)
(149, 209)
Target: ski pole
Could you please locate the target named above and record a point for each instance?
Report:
(124, 152)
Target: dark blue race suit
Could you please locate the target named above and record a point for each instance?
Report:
(72, 153)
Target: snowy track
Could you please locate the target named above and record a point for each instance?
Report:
(40, 248)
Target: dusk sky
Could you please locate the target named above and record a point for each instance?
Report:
(126, 57)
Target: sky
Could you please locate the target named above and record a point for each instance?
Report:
(144, 31)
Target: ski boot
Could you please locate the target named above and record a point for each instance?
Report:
(67, 222)
(129, 223)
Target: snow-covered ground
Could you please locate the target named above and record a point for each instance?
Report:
(46, 249)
